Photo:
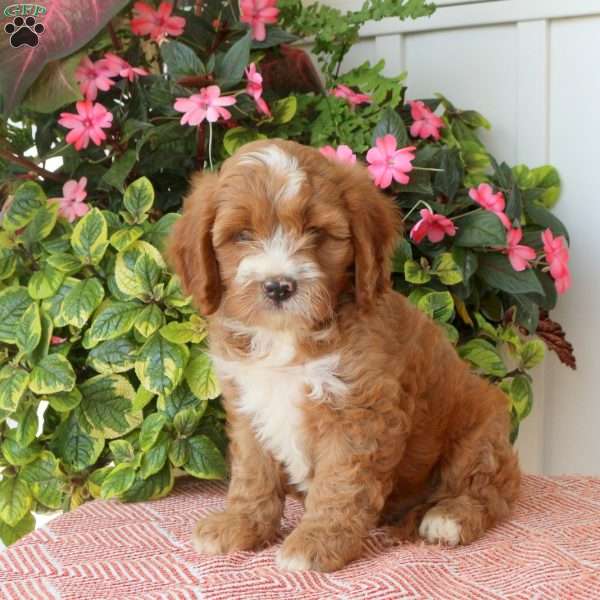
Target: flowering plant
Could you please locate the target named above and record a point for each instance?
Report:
(87, 304)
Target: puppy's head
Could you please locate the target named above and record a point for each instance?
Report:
(281, 235)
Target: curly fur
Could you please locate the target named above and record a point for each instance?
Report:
(395, 429)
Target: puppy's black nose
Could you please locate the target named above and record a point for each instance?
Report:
(279, 288)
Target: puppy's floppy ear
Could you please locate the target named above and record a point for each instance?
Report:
(376, 224)
(190, 249)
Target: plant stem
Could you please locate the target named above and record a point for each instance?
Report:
(210, 140)
(465, 214)
(412, 210)
(428, 169)
(31, 166)
(116, 42)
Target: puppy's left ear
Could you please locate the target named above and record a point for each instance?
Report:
(376, 225)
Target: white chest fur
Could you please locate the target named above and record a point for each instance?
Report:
(272, 393)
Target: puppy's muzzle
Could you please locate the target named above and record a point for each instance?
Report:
(280, 289)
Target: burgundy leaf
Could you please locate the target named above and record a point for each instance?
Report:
(68, 25)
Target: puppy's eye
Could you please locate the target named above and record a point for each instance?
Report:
(243, 236)
(316, 231)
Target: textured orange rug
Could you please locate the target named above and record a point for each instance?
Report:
(105, 550)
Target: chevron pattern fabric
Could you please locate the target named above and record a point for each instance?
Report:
(550, 549)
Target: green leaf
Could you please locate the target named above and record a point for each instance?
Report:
(480, 229)
(186, 421)
(74, 446)
(55, 87)
(200, 376)
(149, 320)
(116, 319)
(544, 218)
(15, 500)
(139, 198)
(113, 356)
(446, 269)
(179, 399)
(41, 225)
(123, 238)
(155, 458)
(181, 60)
(28, 198)
(13, 385)
(275, 37)
(90, 237)
(64, 402)
(414, 273)
(532, 353)
(125, 267)
(284, 110)
(237, 137)
(8, 263)
(14, 301)
(81, 301)
(44, 283)
(391, 123)
(438, 305)
(179, 452)
(29, 330)
(67, 263)
(16, 454)
(53, 306)
(205, 461)
(9, 535)
(230, 69)
(521, 396)
(158, 232)
(107, 405)
(52, 374)
(449, 179)
(184, 332)
(467, 262)
(160, 364)
(483, 355)
(27, 426)
(122, 450)
(118, 481)
(46, 480)
(142, 398)
(496, 271)
(119, 170)
(150, 430)
(147, 273)
(154, 487)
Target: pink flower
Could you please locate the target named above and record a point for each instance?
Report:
(426, 123)
(518, 255)
(93, 77)
(485, 197)
(72, 205)
(56, 340)
(352, 97)
(208, 104)
(87, 124)
(158, 24)
(557, 255)
(131, 73)
(254, 88)
(387, 163)
(435, 227)
(119, 67)
(258, 13)
(343, 154)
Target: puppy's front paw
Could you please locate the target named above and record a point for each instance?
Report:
(224, 532)
(439, 528)
(314, 548)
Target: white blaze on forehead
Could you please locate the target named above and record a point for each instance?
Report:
(276, 257)
(281, 163)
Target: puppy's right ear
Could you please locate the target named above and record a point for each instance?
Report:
(190, 249)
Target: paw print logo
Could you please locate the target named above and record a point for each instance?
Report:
(24, 32)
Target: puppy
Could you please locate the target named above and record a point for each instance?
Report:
(336, 388)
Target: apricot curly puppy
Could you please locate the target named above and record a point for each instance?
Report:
(337, 389)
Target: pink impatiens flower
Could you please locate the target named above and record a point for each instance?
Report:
(87, 124)
(157, 23)
(485, 197)
(72, 205)
(258, 14)
(387, 163)
(425, 122)
(208, 104)
(435, 227)
(119, 67)
(353, 98)
(557, 255)
(518, 255)
(342, 154)
(254, 88)
(93, 76)
(55, 340)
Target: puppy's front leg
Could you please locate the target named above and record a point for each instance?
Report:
(254, 500)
